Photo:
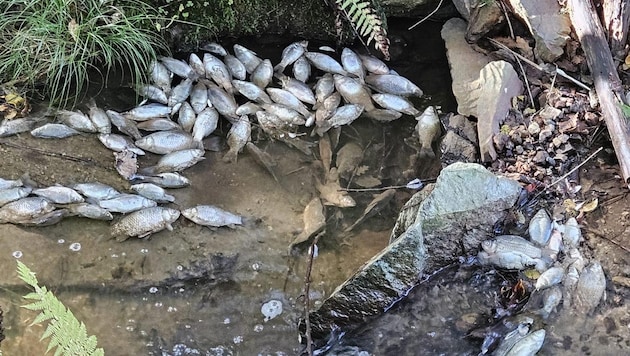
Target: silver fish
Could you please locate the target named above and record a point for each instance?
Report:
(54, 131)
(89, 211)
(327, 107)
(348, 159)
(248, 108)
(16, 126)
(540, 228)
(96, 191)
(145, 222)
(45, 219)
(590, 288)
(159, 124)
(298, 88)
(76, 120)
(153, 192)
(529, 345)
(237, 138)
(395, 102)
(215, 48)
(344, 115)
(180, 92)
(572, 235)
(163, 142)
(236, 67)
(126, 164)
(290, 54)
(152, 92)
(271, 123)
(428, 129)
(507, 260)
(353, 91)
(393, 84)
(325, 63)
(124, 125)
(286, 98)
(199, 97)
(166, 180)
(218, 71)
(511, 243)
(302, 69)
(351, 62)
(331, 192)
(126, 203)
(205, 124)
(262, 74)
(12, 194)
(248, 57)
(179, 68)
(118, 143)
(197, 65)
(251, 91)
(550, 278)
(186, 116)
(286, 114)
(314, 221)
(149, 111)
(10, 183)
(551, 299)
(324, 87)
(209, 215)
(59, 195)
(99, 118)
(25, 209)
(161, 76)
(223, 102)
(374, 65)
(383, 115)
(179, 160)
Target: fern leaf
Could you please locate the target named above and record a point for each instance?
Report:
(366, 21)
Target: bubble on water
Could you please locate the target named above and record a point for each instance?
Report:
(124, 254)
(180, 267)
(256, 266)
(114, 255)
(271, 309)
(153, 290)
(258, 328)
(158, 304)
(60, 241)
(130, 328)
(187, 326)
(75, 246)
(182, 290)
(17, 254)
(226, 321)
(144, 250)
(171, 309)
(238, 339)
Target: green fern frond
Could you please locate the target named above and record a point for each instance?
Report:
(68, 336)
(367, 22)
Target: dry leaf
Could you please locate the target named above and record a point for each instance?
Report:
(588, 207)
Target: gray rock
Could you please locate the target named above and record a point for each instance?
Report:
(455, 148)
(484, 19)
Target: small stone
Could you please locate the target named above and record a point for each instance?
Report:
(550, 161)
(544, 135)
(549, 113)
(533, 128)
(519, 150)
(540, 157)
(556, 142)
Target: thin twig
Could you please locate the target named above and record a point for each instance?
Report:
(426, 17)
(307, 300)
(576, 167)
(602, 236)
(382, 188)
(507, 18)
(88, 161)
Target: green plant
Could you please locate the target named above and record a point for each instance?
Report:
(67, 334)
(59, 41)
(366, 19)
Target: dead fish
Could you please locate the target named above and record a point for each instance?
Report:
(76, 120)
(286, 98)
(96, 191)
(251, 91)
(325, 63)
(46, 219)
(145, 222)
(89, 211)
(119, 143)
(262, 75)
(198, 97)
(163, 142)
(324, 87)
(302, 69)
(179, 160)
(428, 129)
(126, 203)
(160, 124)
(395, 102)
(290, 54)
(374, 65)
(218, 71)
(248, 57)
(298, 88)
(186, 117)
(540, 228)
(205, 124)
(215, 48)
(237, 138)
(344, 115)
(54, 131)
(153, 192)
(572, 235)
(59, 194)
(331, 191)
(348, 159)
(124, 125)
(529, 345)
(393, 84)
(377, 204)
(179, 68)
(12, 194)
(590, 288)
(327, 108)
(236, 67)
(511, 243)
(351, 62)
(286, 114)
(16, 126)
(550, 278)
(314, 221)
(161, 76)
(383, 115)
(223, 102)
(325, 151)
(166, 180)
(264, 159)
(248, 108)
(152, 92)
(25, 209)
(353, 91)
(99, 118)
(149, 111)
(126, 164)
(271, 124)
(551, 299)
(180, 93)
(10, 183)
(197, 65)
(209, 215)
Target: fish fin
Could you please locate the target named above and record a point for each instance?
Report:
(427, 152)
(231, 156)
(169, 227)
(147, 171)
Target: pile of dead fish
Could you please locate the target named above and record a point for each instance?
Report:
(551, 256)
(22, 204)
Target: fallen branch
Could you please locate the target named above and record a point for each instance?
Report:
(307, 300)
(602, 236)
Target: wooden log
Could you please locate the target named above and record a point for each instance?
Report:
(607, 83)
(616, 20)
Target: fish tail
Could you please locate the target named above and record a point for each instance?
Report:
(427, 152)
(231, 156)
